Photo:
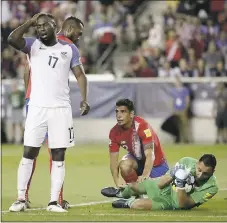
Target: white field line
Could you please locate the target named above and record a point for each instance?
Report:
(71, 205)
(109, 201)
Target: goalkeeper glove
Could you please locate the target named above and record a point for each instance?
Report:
(175, 169)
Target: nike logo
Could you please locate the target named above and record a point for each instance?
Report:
(41, 48)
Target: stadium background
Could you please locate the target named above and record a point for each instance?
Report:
(125, 52)
(124, 42)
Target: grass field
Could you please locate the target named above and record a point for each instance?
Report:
(87, 171)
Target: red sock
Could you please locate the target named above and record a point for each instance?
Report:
(60, 199)
(29, 182)
(132, 177)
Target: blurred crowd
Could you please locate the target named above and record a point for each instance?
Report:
(106, 23)
(191, 42)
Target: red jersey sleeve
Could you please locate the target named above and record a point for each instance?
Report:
(145, 133)
(113, 145)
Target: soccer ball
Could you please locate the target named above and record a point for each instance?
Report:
(189, 185)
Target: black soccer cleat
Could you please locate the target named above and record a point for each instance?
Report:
(65, 205)
(110, 192)
(121, 203)
(27, 204)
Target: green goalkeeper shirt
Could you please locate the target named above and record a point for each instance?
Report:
(200, 194)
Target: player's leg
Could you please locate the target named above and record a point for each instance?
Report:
(128, 168)
(185, 133)
(149, 187)
(140, 204)
(34, 164)
(131, 190)
(35, 129)
(219, 127)
(57, 178)
(60, 137)
(225, 125)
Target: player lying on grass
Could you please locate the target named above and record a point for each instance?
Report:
(71, 30)
(189, 184)
(145, 156)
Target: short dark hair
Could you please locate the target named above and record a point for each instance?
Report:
(72, 18)
(48, 15)
(209, 160)
(127, 103)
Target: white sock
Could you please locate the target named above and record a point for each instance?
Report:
(57, 179)
(23, 175)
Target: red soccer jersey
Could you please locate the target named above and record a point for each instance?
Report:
(28, 92)
(135, 138)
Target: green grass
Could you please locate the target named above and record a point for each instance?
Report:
(87, 171)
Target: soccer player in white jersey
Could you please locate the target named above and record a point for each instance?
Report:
(49, 106)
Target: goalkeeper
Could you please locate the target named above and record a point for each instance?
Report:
(189, 184)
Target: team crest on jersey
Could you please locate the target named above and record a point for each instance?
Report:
(64, 54)
(148, 133)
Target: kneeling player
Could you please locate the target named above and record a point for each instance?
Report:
(190, 184)
(145, 156)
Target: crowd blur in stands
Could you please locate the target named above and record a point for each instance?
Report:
(105, 22)
(191, 42)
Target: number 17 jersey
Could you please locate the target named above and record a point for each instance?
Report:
(50, 66)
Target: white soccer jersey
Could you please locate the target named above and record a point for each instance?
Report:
(50, 66)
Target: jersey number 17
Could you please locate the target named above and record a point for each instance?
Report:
(53, 61)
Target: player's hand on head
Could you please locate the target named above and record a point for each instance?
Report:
(84, 108)
(35, 17)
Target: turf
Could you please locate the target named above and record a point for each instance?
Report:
(87, 171)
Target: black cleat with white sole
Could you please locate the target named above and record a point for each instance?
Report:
(121, 203)
(65, 205)
(111, 192)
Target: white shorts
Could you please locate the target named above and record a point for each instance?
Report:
(57, 122)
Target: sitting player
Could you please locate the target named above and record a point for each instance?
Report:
(72, 29)
(188, 185)
(145, 156)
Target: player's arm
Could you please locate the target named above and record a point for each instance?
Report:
(114, 168)
(16, 39)
(165, 181)
(148, 151)
(26, 76)
(184, 200)
(114, 156)
(78, 71)
(170, 176)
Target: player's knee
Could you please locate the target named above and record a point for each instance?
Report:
(58, 154)
(125, 166)
(31, 152)
(143, 204)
